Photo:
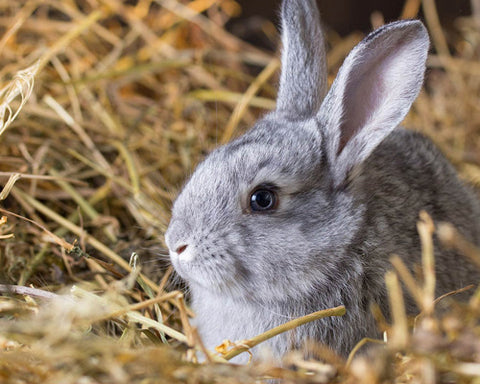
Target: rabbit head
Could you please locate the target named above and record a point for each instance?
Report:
(268, 216)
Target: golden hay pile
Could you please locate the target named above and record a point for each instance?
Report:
(128, 97)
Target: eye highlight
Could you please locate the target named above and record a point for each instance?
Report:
(263, 198)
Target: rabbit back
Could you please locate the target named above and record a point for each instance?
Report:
(404, 175)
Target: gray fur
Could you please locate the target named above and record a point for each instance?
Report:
(350, 189)
(303, 81)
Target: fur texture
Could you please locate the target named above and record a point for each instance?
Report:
(350, 187)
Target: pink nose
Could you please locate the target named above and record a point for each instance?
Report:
(181, 248)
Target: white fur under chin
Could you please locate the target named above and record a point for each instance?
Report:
(218, 318)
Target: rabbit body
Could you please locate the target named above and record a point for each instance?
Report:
(303, 211)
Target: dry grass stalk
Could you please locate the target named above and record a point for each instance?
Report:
(240, 108)
(21, 85)
(426, 229)
(245, 345)
(399, 337)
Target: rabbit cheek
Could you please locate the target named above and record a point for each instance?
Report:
(204, 265)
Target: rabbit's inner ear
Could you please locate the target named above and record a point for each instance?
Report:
(372, 93)
(303, 80)
(370, 99)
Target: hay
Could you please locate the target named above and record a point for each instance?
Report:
(128, 97)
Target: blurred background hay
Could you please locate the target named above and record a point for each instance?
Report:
(105, 108)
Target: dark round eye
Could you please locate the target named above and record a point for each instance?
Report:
(263, 199)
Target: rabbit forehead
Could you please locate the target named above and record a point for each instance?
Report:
(281, 149)
(273, 151)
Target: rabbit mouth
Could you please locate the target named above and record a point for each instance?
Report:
(211, 276)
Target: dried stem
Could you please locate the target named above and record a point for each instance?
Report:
(245, 345)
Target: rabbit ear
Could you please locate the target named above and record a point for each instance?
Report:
(303, 80)
(372, 93)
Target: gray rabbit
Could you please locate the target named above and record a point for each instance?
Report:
(303, 212)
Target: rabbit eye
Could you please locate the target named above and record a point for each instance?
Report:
(263, 199)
